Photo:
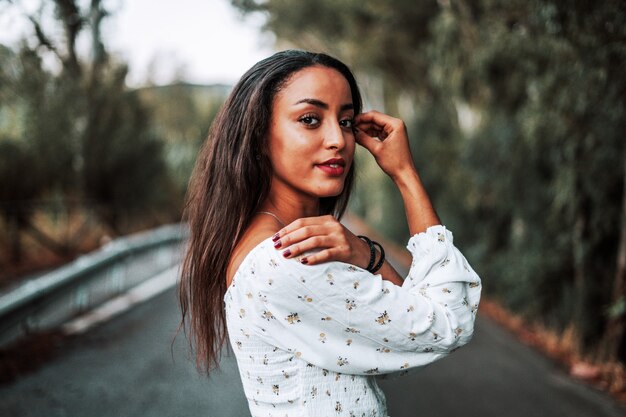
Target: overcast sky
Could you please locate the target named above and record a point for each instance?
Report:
(204, 40)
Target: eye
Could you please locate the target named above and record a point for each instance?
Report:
(310, 120)
(347, 123)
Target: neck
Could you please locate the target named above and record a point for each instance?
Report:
(289, 207)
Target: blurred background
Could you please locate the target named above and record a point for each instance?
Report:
(515, 110)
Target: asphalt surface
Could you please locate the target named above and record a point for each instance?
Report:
(125, 367)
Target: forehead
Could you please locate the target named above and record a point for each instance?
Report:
(318, 82)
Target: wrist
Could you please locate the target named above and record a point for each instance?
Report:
(406, 178)
(420, 213)
(376, 257)
(363, 254)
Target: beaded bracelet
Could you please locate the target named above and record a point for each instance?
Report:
(372, 251)
(382, 257)
(372, 244)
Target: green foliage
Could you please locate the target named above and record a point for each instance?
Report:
(78, 131)
(33, 122)
(182, 114)
(517, 120)
(544, 80)
(123, 165)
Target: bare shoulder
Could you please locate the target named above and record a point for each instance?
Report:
(256, 233)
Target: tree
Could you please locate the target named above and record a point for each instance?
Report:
(77, 132)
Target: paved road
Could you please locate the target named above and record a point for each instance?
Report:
(125, 368)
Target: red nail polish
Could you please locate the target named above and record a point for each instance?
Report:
(304, 261)
(278, 244)
(287, 253)
(275, 237)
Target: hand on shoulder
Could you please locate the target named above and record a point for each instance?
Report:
(334, 241)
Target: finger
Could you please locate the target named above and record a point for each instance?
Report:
(313, 243)
(378, 120)
(298, 224)
(367, 141)
(320, 257)
(298, 235)
(374, 117)
(305, 228)
(367, 126)
(372, 130)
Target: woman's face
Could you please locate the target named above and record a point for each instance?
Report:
(311, 143)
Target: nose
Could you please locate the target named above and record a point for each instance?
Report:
(334, 136)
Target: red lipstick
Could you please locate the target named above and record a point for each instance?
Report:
(333, 167)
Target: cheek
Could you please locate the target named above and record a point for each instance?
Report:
(289, 154)
(350, 147)
(351, 144)
(294, 146)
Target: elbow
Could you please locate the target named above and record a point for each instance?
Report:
(468, 328)
(463, 317)
(460, 333)
(465, 336)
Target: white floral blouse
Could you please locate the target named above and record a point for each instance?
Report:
(309, 339)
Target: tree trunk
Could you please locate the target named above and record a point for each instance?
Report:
(579, 318)
(14, 235)
(614, 334)
(582, 317)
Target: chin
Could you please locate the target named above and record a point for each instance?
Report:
(331, 192)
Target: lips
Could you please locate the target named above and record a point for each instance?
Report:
(333, 166)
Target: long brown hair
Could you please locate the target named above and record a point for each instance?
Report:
(230, 181)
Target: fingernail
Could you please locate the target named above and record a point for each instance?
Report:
(276, 237)
(287, 253)
(278, 244)
(304, 260)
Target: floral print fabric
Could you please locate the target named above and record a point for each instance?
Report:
(309, 339)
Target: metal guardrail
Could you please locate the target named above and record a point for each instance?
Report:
(89, 280)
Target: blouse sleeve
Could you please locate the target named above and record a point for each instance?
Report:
(343, 318)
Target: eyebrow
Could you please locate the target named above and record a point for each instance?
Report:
(319, 103)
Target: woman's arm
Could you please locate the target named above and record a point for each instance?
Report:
(385, 137)
(338, 317)
(419, 213)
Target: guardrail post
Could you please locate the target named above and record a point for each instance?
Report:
(80, 299)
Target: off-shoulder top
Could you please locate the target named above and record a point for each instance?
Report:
(309, 339)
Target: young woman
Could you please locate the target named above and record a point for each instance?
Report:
(310, 318)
